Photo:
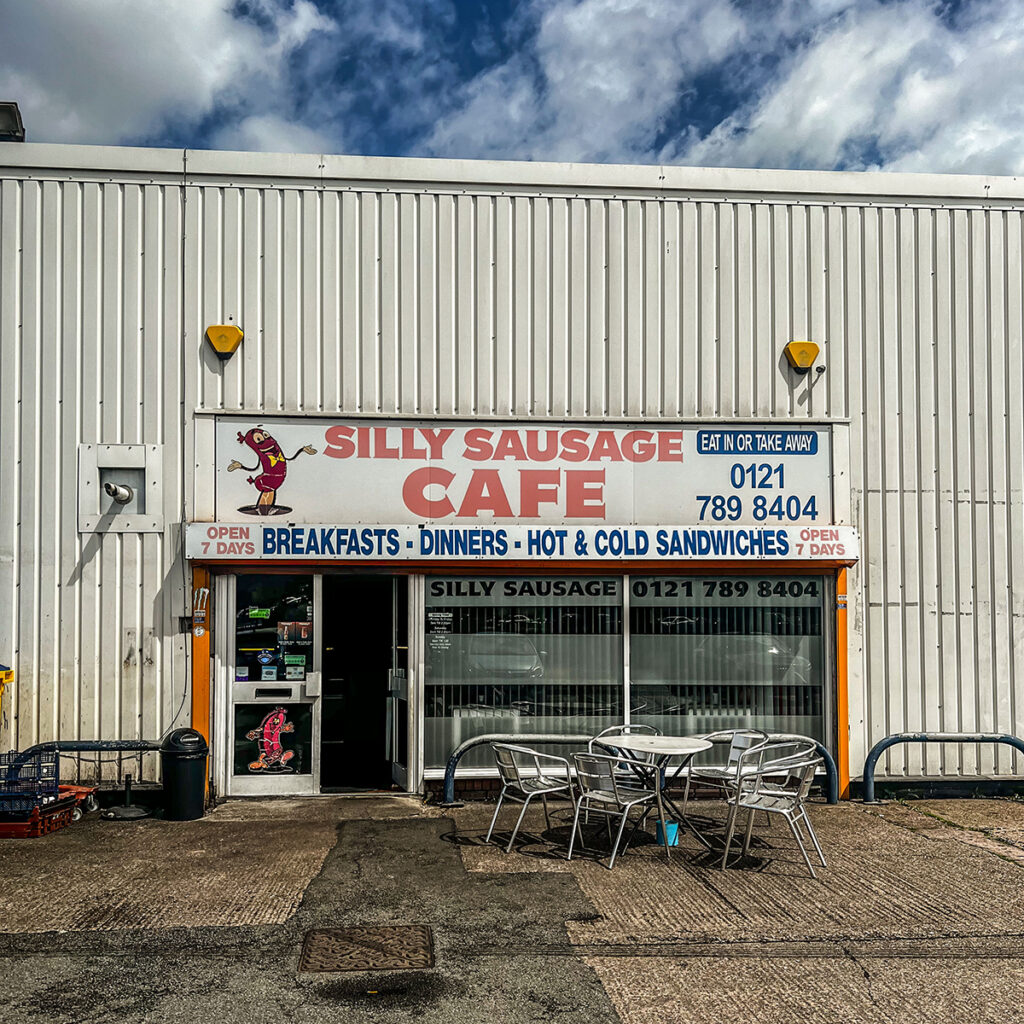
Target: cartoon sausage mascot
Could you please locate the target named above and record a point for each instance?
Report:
(273, 756)
(273, 466)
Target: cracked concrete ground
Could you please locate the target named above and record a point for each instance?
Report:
(916, 918)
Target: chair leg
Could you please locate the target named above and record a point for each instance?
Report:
(749, 832)
(490, 831)
(522, 814)
(800, 843)
(618, 838)
(686, 793)
(814, 839)
(575, 826)
(547, 817)
(733, 810)
(636, 828)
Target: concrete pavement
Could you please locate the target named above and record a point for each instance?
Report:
(917, 918)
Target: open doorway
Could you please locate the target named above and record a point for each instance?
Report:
(364, 647)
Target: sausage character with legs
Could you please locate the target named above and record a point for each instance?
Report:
(273, 466)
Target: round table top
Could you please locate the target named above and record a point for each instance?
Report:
(643, 743)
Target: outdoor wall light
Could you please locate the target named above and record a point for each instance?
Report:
(121, 493)
(801, 355)
(12, 128)
(224, 338)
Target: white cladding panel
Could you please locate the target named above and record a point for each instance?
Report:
(90, 329)
(598, 298)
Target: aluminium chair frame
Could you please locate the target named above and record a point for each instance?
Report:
(616, 799)
(755, 792)
(541, 784)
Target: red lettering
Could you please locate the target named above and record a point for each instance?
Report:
(638, 446)
(339, 442)
(409, 449)
(478, 445)
(533, 449)
(670, 446)
(363, 435)
(485, 493)
(574, 445)
(510, 446)
(605, 447)
(380, 444)
(584, 493)
(415, 497)
(537, 487)
(436, 439)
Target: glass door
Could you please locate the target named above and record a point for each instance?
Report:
(274, 710)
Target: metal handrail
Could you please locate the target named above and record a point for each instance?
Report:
(77, 747)
(448, 795)
(928, 737)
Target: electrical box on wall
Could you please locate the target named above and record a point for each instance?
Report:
(120, 488)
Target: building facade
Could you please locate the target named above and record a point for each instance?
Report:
(504, 448)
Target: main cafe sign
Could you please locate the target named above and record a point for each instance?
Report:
(406, 489)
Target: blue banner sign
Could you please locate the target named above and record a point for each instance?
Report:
(757, 442)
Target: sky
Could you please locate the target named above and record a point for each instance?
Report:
(905, 85)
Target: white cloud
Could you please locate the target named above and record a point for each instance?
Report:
(899, 84)
(113, 71)
(270, 133)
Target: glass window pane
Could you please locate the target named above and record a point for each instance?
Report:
(273, 628)
(719, 652)
(528, 655)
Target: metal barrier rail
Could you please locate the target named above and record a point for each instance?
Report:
(77, 747)
(928, 737)
(831, 771)
(448, 795)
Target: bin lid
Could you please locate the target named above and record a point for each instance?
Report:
(185, 741)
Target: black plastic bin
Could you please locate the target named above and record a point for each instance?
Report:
(183, 764)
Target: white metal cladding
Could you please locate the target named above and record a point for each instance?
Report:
(423, 288)
(90, 352)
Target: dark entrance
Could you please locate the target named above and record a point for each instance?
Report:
(359, 641)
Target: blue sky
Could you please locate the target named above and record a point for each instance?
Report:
(830, 84)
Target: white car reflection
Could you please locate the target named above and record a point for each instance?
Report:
(506, 655)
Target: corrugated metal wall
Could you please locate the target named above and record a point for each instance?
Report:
(463, 301)
(90, 329)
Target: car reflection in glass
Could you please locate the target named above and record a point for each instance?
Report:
(503, 654)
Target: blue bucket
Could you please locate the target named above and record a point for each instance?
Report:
(672, 829)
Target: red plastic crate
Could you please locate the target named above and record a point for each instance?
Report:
(40, 822)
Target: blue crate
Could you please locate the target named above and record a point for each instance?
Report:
(35, 785)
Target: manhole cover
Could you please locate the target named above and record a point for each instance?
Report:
(364, 948)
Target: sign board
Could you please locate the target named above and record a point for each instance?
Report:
(352, 542)
(381, 473)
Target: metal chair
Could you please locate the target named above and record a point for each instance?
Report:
(775, 778)
(601, 790)
(510, 760)
(724, 778)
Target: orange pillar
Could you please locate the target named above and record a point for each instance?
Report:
(201, 622)
(842, 695)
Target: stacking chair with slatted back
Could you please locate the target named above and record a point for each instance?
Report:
(724, 777)
(600, 789)
(776, 778)
(547, 779)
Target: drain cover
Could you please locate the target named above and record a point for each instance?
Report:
(366, 948)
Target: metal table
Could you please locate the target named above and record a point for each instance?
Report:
(663, 748)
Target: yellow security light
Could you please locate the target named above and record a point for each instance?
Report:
(225, 339)
(801, 355)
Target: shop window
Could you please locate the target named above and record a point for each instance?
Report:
(273, 628)
(711, 653)
(527, 655)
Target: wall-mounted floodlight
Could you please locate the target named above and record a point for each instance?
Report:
(801, 355)
(224, 338)
(12, 128)
(121, 493)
